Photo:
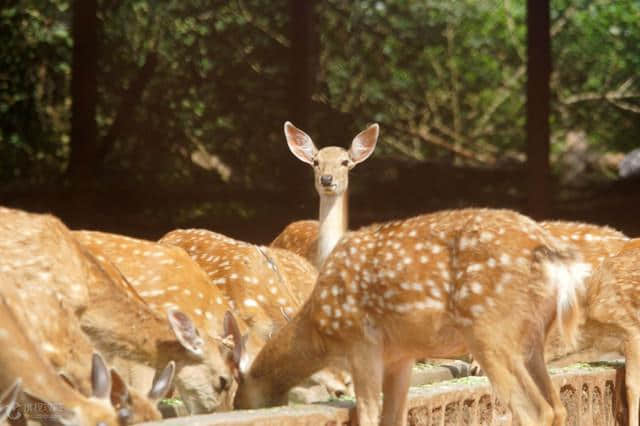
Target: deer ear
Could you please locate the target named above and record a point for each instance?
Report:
(8, 399)
(363, 144)
(237, 359)
(300, 143)
(120, 398)
(100, 377)
(186, 332)
(162, 382)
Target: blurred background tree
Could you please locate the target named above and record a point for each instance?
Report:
(190, 98)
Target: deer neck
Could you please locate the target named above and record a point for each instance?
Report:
(334, 211)
(290, 357)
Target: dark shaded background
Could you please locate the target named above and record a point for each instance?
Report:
(139, 116)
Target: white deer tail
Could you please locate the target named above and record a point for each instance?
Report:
(565, 272)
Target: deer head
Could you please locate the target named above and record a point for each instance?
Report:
(331, 165)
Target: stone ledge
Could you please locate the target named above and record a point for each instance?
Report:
(591, 393)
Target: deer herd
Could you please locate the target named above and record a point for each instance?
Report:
(96, 328)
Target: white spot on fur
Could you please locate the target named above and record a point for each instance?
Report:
(476, 287)
(250, 303)
(474, 267)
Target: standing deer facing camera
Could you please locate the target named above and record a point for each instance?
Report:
(331, 166)
(491, 282)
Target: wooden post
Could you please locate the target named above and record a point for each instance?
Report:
(538, 98)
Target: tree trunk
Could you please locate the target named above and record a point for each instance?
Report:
(83, 157)
(301, 12)
(296, 176)
(538, 98)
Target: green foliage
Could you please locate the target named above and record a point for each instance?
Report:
(444, 79)
(35, 55)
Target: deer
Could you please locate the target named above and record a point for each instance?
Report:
(595, 243)
(166, 279)
(45, 260)
(331, 166)
(610, 318)
(265, 286)
(436, 285)
(38, 269)
(24, 362)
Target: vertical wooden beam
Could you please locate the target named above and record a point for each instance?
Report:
(538, 99)
(84, 89)
(301, 13)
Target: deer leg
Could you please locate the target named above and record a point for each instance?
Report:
(632, 378)
(367, 369)
(395, 388)
(538, 371)
(514, 386)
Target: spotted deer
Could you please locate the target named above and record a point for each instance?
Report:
(46, 278)
(331, 166)
(264, 286)
(119, 323)
(595, 243)
(437, 285)
(23, 361)
(165, 278)
(610, 316)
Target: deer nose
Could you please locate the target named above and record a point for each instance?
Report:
(326, 180)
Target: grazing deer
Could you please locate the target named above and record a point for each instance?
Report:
(331, 166)
(24, 362)
(47, 263)
(265, 287)
(438, 285)
(165, 278)
(42, 269)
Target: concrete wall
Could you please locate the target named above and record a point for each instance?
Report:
(591, 394)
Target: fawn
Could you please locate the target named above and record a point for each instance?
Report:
(165, 279)
(437, 285)
(331, 166)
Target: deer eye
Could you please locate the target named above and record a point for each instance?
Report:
(345, 163)
(315, 163)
